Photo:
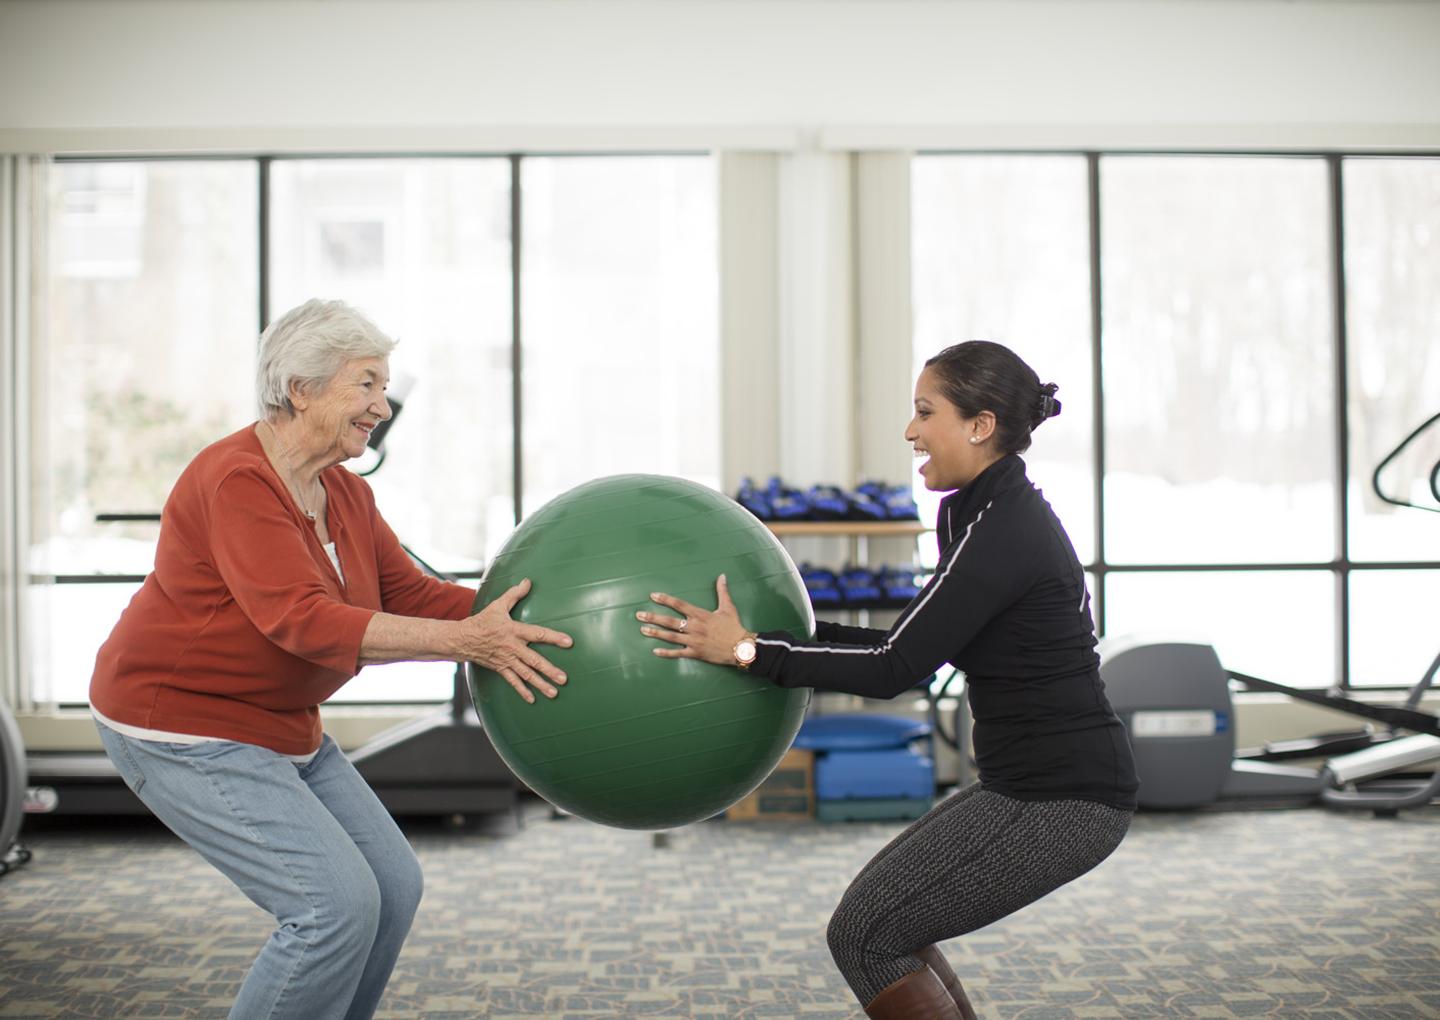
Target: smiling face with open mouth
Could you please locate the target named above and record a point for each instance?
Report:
(955, 448)
(340, 417)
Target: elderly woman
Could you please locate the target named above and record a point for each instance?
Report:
(275, 581)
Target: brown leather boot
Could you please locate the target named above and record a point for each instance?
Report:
(936, 961)
(917, 996)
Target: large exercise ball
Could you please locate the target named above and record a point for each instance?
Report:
(634, 740)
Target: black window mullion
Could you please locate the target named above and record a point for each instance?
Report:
(262, 166)
(1340, 340)
(1097, 390)
(517, 475)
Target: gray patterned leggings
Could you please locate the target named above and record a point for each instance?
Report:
(975, 858)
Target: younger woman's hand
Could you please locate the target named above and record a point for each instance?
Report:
(698, 633)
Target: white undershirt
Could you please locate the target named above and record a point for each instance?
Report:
(335, 559)
(166, 737)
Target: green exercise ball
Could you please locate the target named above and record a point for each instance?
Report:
(634, 740)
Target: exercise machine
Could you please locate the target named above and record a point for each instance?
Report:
(1395, 453)
(12, 793)
(440, 763)
(1175, 699)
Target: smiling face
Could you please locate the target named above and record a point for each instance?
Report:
(338, 419)
(957, 448)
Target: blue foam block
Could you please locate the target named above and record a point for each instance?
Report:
(845, 775)
(859, 732)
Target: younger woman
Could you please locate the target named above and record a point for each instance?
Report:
(1008, 606)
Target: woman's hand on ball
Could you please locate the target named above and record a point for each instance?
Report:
(502, 645)
(699, 633)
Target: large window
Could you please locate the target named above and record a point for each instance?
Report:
(155, 300)
(145, 358)
(1001, 254)
(1392, 269)
(1392, 625)
(1210, 290)
(1392, 264)
(423, 247)
(1255, 619)
(1218, 361)
(621, 338)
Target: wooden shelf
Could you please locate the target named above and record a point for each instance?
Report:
(842, 529)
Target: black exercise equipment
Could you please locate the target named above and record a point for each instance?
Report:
(1175, 700)
(1324, 745)
(12, 793)
(441, 763)
(1385, 462)
(1395, 718)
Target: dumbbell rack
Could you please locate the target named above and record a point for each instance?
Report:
(859, 534)
(846, 529)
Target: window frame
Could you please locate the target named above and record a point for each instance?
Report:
(263, 312)
(1342, 565)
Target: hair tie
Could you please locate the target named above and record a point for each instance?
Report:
(1047, 406)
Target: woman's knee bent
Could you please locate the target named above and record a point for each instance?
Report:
(402, 886)
(849, 929)
(345, 914)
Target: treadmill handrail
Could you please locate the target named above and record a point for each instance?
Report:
(1434, 473)
(1399, 718)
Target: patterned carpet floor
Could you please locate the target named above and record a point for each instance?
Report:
(1298, 913)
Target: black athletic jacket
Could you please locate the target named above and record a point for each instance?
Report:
(1007, 606)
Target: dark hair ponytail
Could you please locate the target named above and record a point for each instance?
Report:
(979, 375)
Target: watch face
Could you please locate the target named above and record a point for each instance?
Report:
(745, 652)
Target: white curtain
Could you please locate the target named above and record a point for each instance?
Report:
(815, 323)
(815, 315)
(22, 285)
(750, 394)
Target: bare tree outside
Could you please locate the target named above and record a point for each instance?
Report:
(1218, 360)
(1219, 379)
(1392, 271)
(147, 355)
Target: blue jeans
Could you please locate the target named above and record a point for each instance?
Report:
(310, 844)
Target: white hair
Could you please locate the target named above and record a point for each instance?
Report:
(307, 346)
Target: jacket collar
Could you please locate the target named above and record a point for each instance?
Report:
(959, 508)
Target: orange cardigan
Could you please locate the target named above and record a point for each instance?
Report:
(244, 627)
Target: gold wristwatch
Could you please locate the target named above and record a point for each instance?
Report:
(744, 651)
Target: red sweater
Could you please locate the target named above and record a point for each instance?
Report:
(244, 627)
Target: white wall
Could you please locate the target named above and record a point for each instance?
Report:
(147, 74)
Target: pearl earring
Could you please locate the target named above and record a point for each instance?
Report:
(974, 439)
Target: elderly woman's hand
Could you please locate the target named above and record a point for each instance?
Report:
(498, 643)
(700, 633)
